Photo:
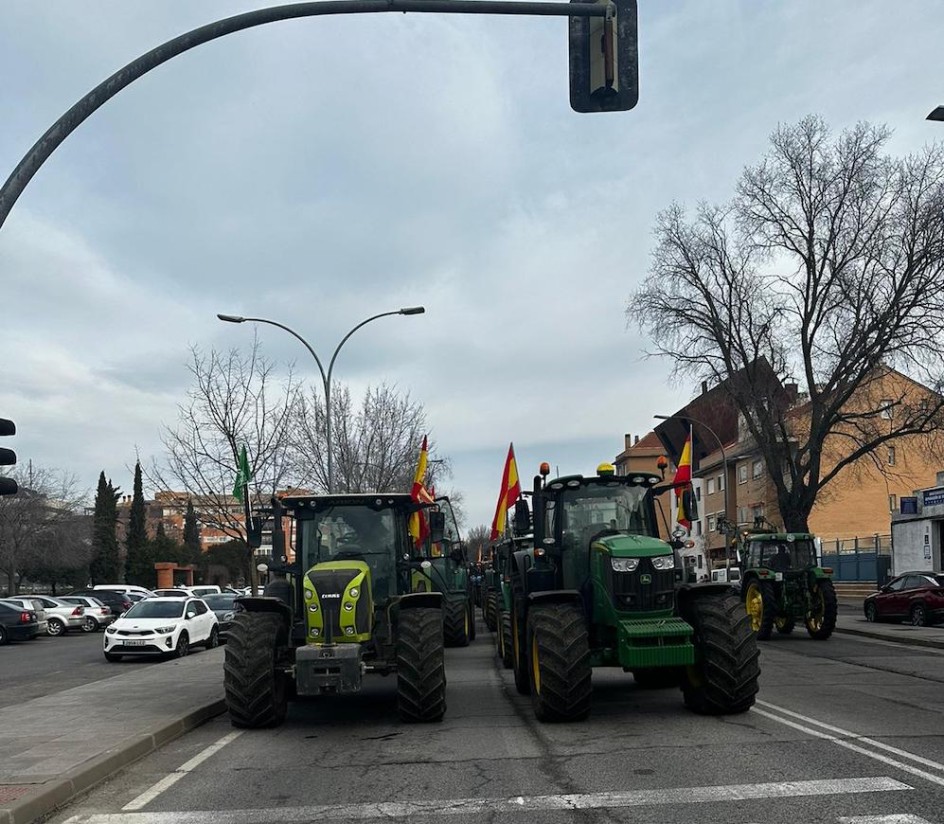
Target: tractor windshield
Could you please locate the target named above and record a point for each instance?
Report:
(587, 511)
(359, 533)
(784, 556)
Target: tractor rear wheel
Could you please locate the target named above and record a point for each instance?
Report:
(490, 611)
(506, 649)
(455, 618)
(785, 625)
(519, 654)
(421, 670)
(256, 694)
(723, 679)
(559, 658)
(760, 601)
(471, 620)
(821, 619)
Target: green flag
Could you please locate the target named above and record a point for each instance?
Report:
(243, 475)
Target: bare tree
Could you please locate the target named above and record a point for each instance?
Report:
(376, 446)
(478, 542)
(826, 268)
(236, 401)
(34, 524)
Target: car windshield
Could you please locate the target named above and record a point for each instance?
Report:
(224, 601)
(156, 609)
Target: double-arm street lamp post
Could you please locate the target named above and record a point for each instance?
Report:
(724, 463)
(326, 376)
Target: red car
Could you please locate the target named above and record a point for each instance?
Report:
(915, 596)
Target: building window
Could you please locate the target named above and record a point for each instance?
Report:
(711, 523)
(758, 468)
(742, 474)
(758, 512)
(711, 486)
(697, 527)
(892, 502)
(891, 456)
(721, 483)
(885, 408)
(742, 515)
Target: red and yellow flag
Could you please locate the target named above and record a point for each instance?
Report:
(683, 482)
(510, 492)
(418, 526)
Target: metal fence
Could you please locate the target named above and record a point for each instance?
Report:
(864, 558)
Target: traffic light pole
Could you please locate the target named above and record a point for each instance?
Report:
(106, 90)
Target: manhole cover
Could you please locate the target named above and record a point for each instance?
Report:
(10, 792)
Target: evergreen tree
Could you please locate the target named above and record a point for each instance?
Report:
(192, 535)
(106, 559)
(139, 560)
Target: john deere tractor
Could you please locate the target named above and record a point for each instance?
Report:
(782, 583)
(501, 595)
(447, 572)
(344, 609)
(599, 589)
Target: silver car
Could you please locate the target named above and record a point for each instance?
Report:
(97, 615)
(60, 615)
(34, 604)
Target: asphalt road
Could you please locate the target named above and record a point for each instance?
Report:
(845, 731)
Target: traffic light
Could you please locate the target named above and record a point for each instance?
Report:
(604, 59)
(7, 458)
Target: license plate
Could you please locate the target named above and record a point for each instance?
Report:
(135, 643)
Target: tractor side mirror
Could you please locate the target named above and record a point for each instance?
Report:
(437, 525)
(522, 521)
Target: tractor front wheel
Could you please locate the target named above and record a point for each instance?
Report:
(723, 679)
(760, 601)
(421, 671)
(821, 617)
(505, 649)
(785, 625)
(559, 658)
(456, 624)
(519, 654)
(490, 611)
(256, 694)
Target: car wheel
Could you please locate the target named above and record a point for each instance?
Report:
(90, 625)
(3, 636)
(919, 616)
(183, 646)
(55, 627)
(112, 658)
(871, 613)
(214, 640)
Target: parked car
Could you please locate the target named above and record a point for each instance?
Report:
(162, 626)
(61, 617)
(97, 615)
(127, 589)
(118, 602)
(16, 622)
(915, 596)
(224, 605)
(172, 593)
(203, 589)
(37, 606)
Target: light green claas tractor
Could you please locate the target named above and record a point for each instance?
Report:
(344, 610)
(599, 589)
(783, 583)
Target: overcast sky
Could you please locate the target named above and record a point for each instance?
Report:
(319, 171)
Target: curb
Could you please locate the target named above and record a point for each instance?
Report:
(52, 794)
(903, 639)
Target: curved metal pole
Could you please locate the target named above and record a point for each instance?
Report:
(298, 337)
(106, 90)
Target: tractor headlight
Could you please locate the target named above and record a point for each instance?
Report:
(348, 606)
(354, 592)
(663, 562)
(624, 564)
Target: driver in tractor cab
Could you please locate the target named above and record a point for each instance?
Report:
(781, 561)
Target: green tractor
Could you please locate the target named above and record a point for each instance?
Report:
(600, 589)
(503, 552)
(782, 583)
(447, 572)
(346, 608)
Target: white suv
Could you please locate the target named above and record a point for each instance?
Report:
(162, 626)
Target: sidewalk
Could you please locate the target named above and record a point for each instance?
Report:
(60, 745)
(849, 623)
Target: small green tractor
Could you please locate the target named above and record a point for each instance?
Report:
(782, 583)
(599, 588)
(447, 572)
(345, 608)
(498, 595)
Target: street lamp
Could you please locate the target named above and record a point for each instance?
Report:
(326, 376)
(724, 462)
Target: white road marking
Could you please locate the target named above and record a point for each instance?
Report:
(169, 780)
(918, 759)
(891, 762)
(517, 804)
(883, 819)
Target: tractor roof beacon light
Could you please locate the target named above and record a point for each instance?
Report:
(604, 58)
(545, 469)
(7, 458)
(606, 469)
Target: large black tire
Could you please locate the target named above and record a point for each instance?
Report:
(559, 660)
(505, 648)
(723, 679)
(821, 619)
(760, 601)
(455, 620)
(785, 625)
(519, 654)
(256, 693)
(471, 620)
(421, 669)
(490, 610)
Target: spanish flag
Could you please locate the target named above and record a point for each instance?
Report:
(683, 482)
(510, 492)
(418, 527)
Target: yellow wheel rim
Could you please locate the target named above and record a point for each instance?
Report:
(754, 603)
(467, 623)
(817, 611)
(535, 667)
